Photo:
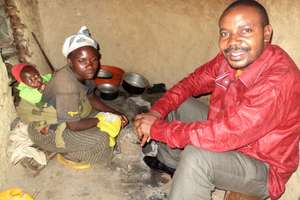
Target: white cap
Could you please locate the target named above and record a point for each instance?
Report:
(80, 39)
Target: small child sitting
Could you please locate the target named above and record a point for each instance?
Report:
(31, 83)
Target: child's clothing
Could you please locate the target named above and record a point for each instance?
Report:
(32, 95)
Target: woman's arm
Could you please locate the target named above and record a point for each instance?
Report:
(82, 124)
(99, 105)
(102, 107)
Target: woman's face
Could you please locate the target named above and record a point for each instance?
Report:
(85, 62)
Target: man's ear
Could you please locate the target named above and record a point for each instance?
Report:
(268, 31)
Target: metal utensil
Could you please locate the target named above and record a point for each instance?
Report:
(108, 91)
(135, 83)
(104, 74)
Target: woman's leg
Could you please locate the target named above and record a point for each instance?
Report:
(89, 146)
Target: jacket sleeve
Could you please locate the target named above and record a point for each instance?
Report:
(201, 81)
(251, 119)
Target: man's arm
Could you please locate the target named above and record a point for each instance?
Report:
(199, 82)
(142, 124)
(260, 112)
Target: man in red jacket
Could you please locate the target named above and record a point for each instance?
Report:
(249, 142)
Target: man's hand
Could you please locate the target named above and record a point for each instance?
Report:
(142, 125)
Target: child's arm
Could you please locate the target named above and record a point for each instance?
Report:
(29, 94)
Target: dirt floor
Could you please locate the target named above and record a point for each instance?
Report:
(126, 177)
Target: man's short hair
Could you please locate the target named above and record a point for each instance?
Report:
(251, 3)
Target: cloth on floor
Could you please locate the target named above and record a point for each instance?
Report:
(21, 146)
(111, 124)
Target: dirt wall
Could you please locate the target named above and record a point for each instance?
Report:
(7, 115)
(28, 12)
(163, 40)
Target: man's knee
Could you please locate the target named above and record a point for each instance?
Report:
(188, 152)
(193, 156)
(193, 170)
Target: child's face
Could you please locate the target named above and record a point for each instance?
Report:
(31, 77)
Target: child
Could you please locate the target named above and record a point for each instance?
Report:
(31, 83)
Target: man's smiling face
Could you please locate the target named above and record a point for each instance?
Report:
(243, 36)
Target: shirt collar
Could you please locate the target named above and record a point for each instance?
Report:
(254, 70)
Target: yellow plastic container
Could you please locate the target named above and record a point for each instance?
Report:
(15, 194)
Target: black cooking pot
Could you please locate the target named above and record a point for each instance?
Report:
(108, 91)
(134, 83)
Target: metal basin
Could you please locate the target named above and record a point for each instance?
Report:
(104, 74)
(108, 91)
(135, 83)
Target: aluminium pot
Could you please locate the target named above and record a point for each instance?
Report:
(108, 91)
(117, 75)
(134, 83)
(105, 74)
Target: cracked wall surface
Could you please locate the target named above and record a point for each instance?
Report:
(164, 40)
(25, 21)
(7, 115)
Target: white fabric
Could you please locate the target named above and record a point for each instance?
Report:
(110, 117)
(80, 39)
(21, 146)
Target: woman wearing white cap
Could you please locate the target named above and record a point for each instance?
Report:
(75, 133)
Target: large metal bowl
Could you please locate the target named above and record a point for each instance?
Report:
(103, 73)
(108, 91)
(135, 83)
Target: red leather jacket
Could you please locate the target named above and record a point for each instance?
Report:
(257, 113)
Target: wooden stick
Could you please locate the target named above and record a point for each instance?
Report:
(44, 54)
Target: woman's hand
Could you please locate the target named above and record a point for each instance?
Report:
(124, 120)
(44, 130)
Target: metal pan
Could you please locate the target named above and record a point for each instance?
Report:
(134, 83)
(108, 91)
(106, 74)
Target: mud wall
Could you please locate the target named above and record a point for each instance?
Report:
(7, 115)
(164, 40)
(26, 20)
